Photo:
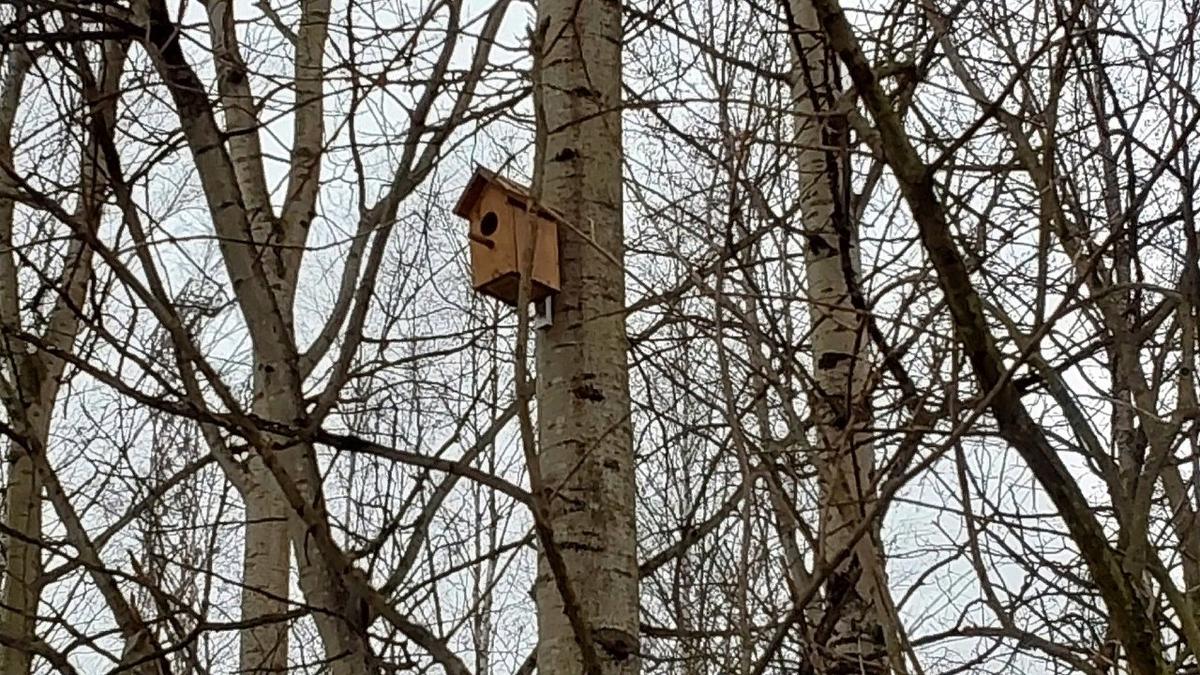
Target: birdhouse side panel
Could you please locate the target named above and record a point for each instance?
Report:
(545, 256)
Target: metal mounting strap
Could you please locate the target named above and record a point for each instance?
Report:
(543, 313)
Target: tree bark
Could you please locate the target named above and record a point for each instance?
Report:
(586, 442)
(263, 253)
(853, 625)
(1127, 599)
(23, 514)
(23, 563)
(35, 375)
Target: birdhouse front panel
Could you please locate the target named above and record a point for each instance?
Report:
(493, 239)
(501, 228)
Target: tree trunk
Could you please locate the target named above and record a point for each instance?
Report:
(853, 624)
(22, 517)
(586, 441)
(1130, 608)
(34, 367)
(273, 523)
(264, 271)
(23, 564)
(266, 556)
(265, 560)
(263, 252)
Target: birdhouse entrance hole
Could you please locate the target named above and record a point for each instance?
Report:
(502, 226)
(489, 223)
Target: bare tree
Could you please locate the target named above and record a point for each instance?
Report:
(875, 350)
(39, 329)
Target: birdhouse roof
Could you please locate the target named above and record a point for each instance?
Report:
(484, 177)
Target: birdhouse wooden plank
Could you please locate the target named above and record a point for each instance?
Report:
(501, 225)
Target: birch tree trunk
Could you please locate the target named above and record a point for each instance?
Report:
(23, 514)
(1131, 608)
(33, 368)
(23, 564)
(263, 251)
(264, 266)
(265, 557)
(853, 623)
(586, 442)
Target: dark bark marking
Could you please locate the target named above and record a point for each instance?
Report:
(830, 360)
(818, 247)
(618, 643)
(587, 392)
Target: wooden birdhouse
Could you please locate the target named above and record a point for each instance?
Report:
(502, 223)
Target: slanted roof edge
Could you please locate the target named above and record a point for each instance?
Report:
(483, 176)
